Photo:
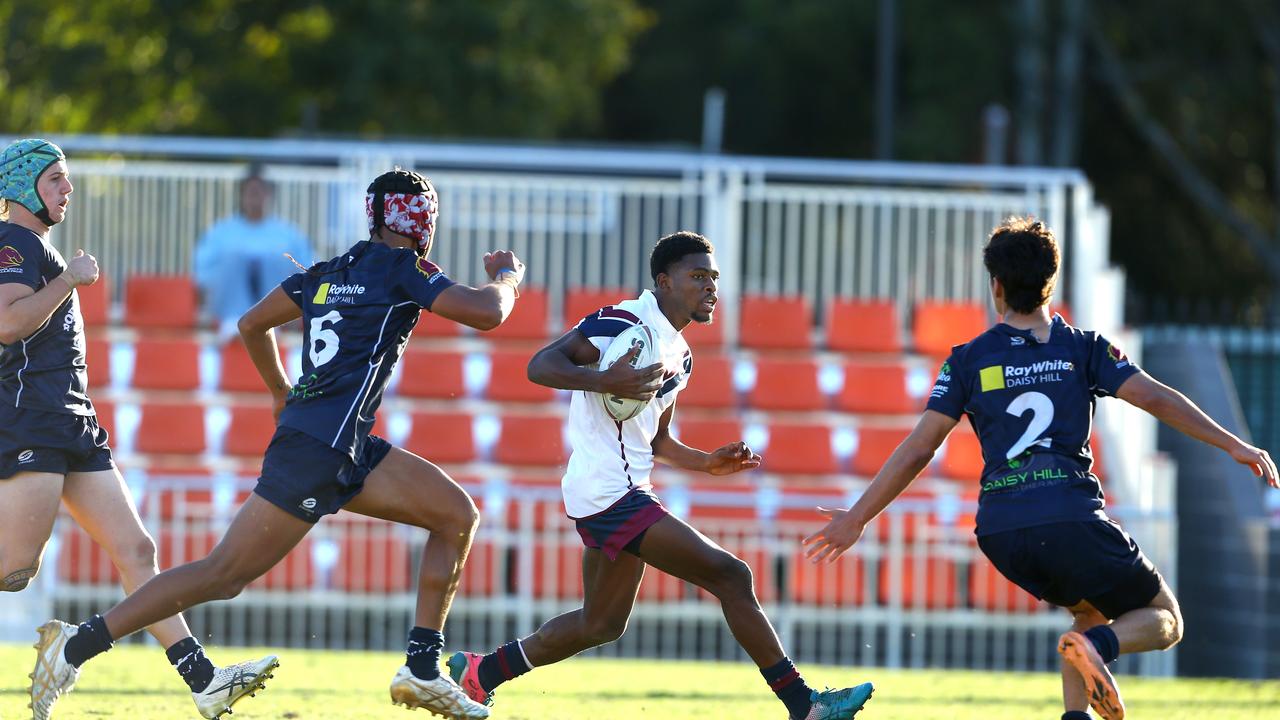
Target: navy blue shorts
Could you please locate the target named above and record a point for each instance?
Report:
(1064, 563)
(621, 525)
(37, 441)
(309, 479)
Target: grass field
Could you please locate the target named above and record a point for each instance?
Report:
(135, 682)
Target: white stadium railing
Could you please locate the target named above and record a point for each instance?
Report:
(588, 217)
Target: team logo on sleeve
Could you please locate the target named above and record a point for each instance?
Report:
(943, 383)
(1116, 356)
(429, 270)
(10, 259)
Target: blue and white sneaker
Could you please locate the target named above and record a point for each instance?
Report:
(839, 704)
(231, 684)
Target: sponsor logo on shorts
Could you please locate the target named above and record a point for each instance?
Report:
(309, 504)
(26, 456)
(330, 294)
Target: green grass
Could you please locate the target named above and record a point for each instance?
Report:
(135, 682)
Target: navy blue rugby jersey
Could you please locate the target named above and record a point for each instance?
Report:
(45, 370)
(1032, 404)
(358, 310)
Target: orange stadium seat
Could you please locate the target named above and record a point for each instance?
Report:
(97, 357)
(250, 431)
(176, 428)
(989, 590)
(557, 569)
(548, 511)
(81, 561)
(838, 584)
(432, 374)
(106, 411)
(963, 457)
(711, 384)
(237, 373)
(776, 323)
(701, 336)
(166, 364)
(580, 302)
(708, 434)
(294, 572)
(876, 388)
(804, 499)
(530, 440)
(875, 445)
(935, 588)
(940, 325)
(373, 557)
(864, 326)
(914, 523)
(442, 437)
(431, 325)
(95, 302)
(799, 448)
(509, 379)
(741, 508)
(528, 321)
(786, 385)
(160, 301)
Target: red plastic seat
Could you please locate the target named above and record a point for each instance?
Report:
(838, 584)
(708, 435)
(194, 542)
(106, 412)
(928, 582)
(962, 459)
(160, 301)
(580, 302)
(237, 373)
(708, 502)
(509, 379)
(250, 431)
(431, 325)
(528, 321)
(864, 326)
(776, 323)
(97, 358)
(95, 302)
(547, 512)
(876, 388)
(171, 429)
(940, 325)
(294, 572)
(989, 590)
(531, 440)
(915, 523)
(442, 437)
(557, 570)
(711, 384)
(81, 561)
(702, 336)
(786, 385)
(432, 374)
(875, 445)
(373, 557)
(800, 448)
(166, 364)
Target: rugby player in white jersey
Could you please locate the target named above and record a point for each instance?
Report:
(608, 494)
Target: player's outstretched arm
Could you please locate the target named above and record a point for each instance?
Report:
(486, 307)
(560, 365)
(729, 459)
(257, 329)
(24, 310)
(907, 461)
(1177, 411)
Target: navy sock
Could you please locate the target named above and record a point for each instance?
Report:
(1105, 642)
(91, 639)
(188, 657)
(1076, 715)
(423, 655)
(790, 688)
(505, 663)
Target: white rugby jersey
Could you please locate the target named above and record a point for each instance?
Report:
(610, 457)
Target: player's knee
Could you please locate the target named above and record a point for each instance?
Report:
(461, 522)
(223, 580)
(601, 631)
(141, 553)
(733, 578)
(18, 580)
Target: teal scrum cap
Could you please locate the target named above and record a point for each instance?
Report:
(21, 165)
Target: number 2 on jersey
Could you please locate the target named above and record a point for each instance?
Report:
(1041, 408)
(324, 341)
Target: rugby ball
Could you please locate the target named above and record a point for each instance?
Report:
(637, 335)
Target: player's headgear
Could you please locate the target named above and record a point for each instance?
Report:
(21, 165)
(404, 202)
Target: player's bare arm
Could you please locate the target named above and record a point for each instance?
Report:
(1177, 411)
(907, 461)
(560, 365)
(726, 460)
(486, 307)
(23, 310)
(257, 330)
